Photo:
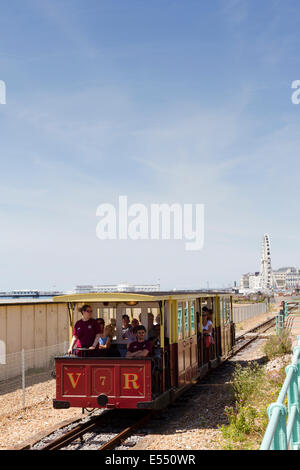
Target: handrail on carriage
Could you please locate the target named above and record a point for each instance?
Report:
(283, 433)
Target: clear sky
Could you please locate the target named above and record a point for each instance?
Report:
(162, 101)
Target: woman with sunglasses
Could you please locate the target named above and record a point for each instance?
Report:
(86, 332)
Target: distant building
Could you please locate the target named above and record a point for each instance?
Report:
(287, 277)
(255, 281)
(284, 278)
(244, 283)
(123, 287)
(280, 277)
(250, 282)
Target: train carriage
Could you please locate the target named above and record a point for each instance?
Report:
(149, 382)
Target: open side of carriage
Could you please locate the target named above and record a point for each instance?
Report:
(150, 382)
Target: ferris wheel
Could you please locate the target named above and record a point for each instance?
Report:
(266, 276)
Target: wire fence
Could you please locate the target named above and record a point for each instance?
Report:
(20, 371)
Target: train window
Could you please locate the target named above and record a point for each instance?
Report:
(221, 311)
(227, 310)
(179, 321)
(193, 322)
(186, 320)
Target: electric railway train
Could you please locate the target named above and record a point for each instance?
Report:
(180, 355)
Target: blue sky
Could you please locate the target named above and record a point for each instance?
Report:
(162, 101)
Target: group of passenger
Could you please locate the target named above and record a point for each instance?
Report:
(96, 339)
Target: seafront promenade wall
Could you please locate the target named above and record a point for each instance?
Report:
(40, 328)
(33, 325)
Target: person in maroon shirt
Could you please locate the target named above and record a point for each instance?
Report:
(139, 348)
(86, 332)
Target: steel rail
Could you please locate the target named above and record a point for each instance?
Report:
(83, 428)
(75, 433)
(126, 432)
(257, 327)
(236, 350)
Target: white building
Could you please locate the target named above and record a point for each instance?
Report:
(284, 278)
(280, 277)
(244, 284)
(255, 282)
(287, 277)
(250, 283)
(123, 287)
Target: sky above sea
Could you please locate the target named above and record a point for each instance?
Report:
(163, 101)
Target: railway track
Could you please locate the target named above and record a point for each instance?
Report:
(115, 441)
(242, 342)
(102, 426)
(100, 423)
(76, 433)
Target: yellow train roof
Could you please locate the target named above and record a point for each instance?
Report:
(105, 297)
(134, 297)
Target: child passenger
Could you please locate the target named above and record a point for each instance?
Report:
(105, 340)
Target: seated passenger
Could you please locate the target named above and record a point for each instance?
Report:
(113, 326)
(140, 348)
(101, 323)
(151, 329)
(155, 340)
(154, 334)
(131, 336)
(210, 314)
(126, 327)
(126, 332)
(113, 323)
(86, 332)
(204, 310)
(135, 323)
(105, 340)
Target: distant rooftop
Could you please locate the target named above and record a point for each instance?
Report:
(289, 268)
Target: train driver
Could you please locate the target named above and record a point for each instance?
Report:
(140, 347)
(86, 332)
